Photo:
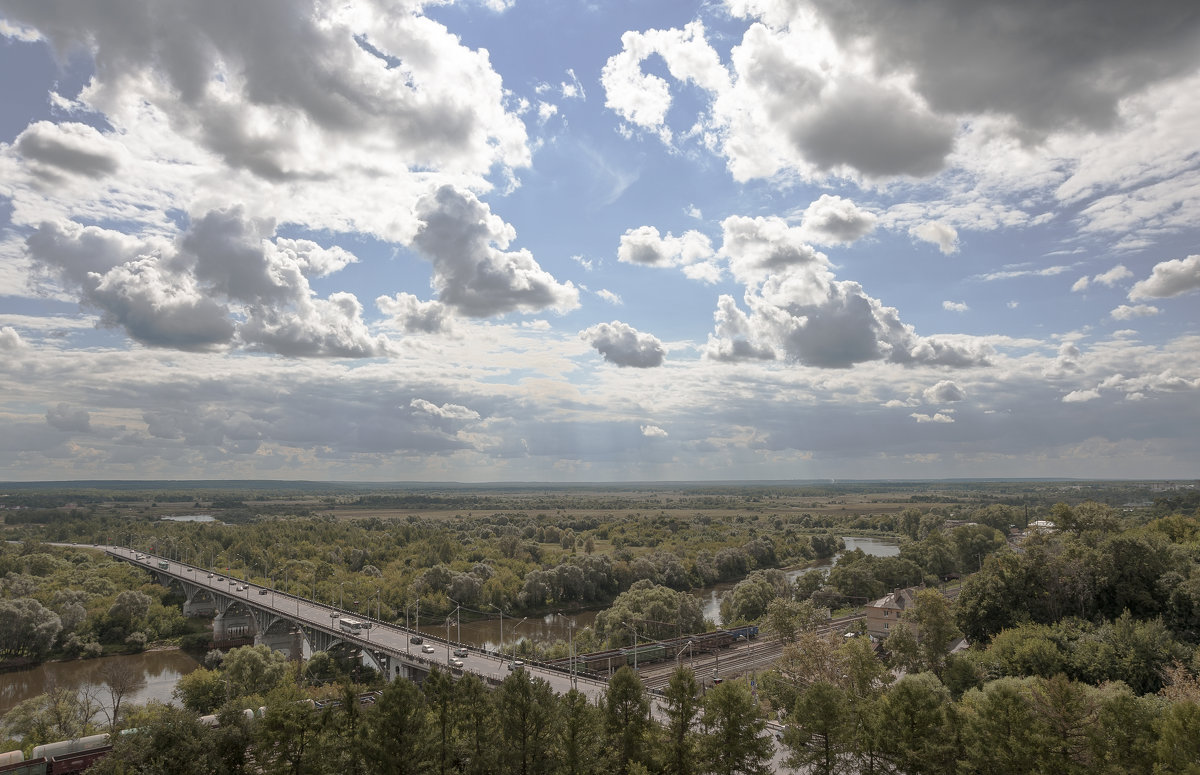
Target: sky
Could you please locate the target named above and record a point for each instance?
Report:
(560, 241)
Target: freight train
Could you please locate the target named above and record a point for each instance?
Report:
(607, 661)
(67, 757)
(61, 758)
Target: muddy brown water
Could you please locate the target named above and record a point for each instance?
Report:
(159, 670)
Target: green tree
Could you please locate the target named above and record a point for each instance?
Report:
(1123, 739)
(130, 607)
(627, 720)
(1143, 650)
(201, 691)
(60, 714)
(787, 618)
(1179, 740)
(476, 723)
(252, 670)
(904, 652)
(681, 710)
(1001, 732)
(579, 735)
(397, 743)
(993, 599)
(909, 523)
(285, 737)
(913, 717)
(734, 740)
(750, 598)
(936, 630)
(1067, 712)
(167, 741)
(344, 737)
(820, 731)
(439, 699)
(525, 707)
(973, 543)
(656, 611)
(27, 628)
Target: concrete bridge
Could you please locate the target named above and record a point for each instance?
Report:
(301, 627)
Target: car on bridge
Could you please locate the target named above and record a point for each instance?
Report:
(262, 591)
(416, 639)
(427, 649)
(461, 651)
(456, 663)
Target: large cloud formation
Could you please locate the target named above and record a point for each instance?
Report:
(471, 271)
(295, 89)
(231, 120)
(1047, 70)
(874, 89)
(223, 282)
(800, 311)
(782, 103)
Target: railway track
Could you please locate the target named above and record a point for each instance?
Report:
(739, 659)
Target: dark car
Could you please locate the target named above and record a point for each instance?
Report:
(416, 639)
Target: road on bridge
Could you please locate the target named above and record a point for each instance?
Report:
(391, 639)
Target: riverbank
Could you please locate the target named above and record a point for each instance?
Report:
(153, 673)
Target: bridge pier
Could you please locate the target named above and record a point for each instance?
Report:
(228, 625)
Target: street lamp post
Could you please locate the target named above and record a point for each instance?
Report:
(635, 644)
(501, 648)
(514, 629)
(570, 647)
(456, 607)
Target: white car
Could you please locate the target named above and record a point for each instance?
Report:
(457, 663)
(461, 651)
(516, 664)
(427, 648)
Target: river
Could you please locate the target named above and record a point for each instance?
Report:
(160, 670)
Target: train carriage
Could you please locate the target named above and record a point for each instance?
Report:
(10, 765)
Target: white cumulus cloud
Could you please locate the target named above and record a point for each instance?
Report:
(1127, 312)
(621, 344)
(1169, 278)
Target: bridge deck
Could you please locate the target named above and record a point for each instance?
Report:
(384, 637)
